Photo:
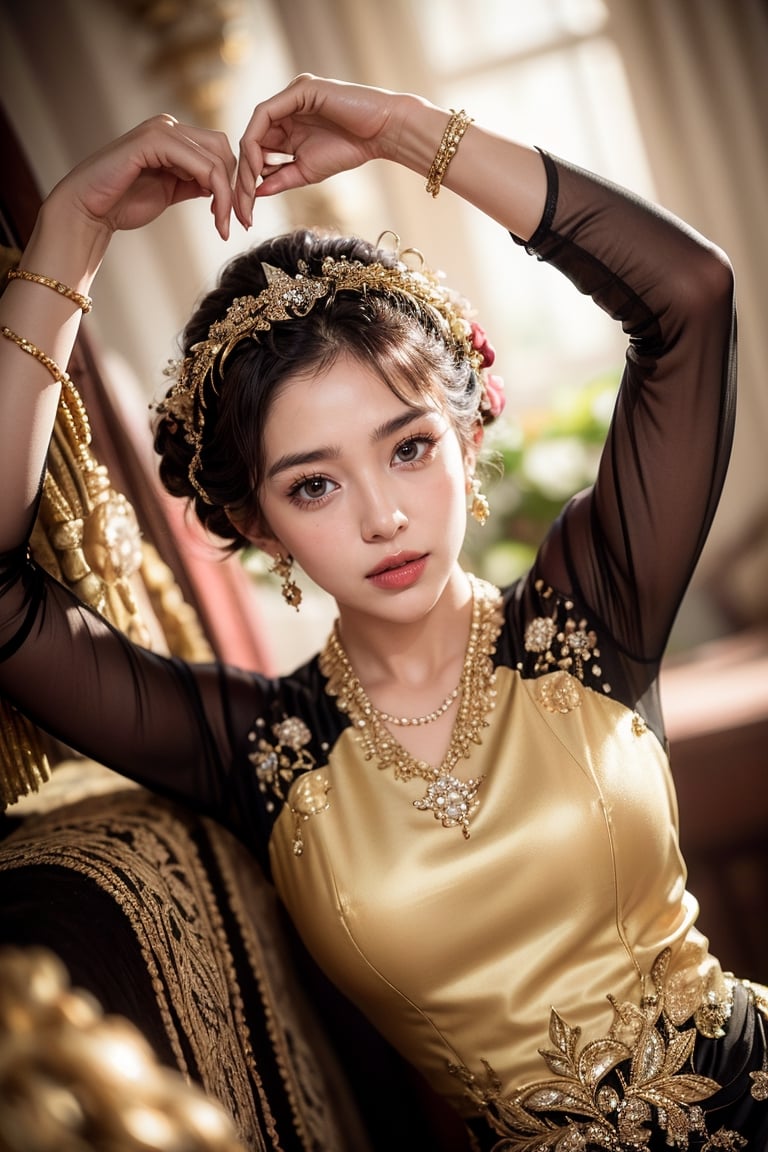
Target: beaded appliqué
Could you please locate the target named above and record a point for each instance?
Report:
(558, 692)
(564, 653)
(277, 763)
(310, 797)
(606, 1095)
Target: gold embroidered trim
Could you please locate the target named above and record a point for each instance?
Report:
(139, 853)
(606, 1094)
(306, 1067)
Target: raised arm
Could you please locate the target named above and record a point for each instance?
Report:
(329, 127)
(59, 662)
(629, 547)
(124, 186)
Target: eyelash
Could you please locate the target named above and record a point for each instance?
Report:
(427, 439)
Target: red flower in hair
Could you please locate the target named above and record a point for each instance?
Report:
(494, 394)
(482, 344)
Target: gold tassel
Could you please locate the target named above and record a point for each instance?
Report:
(87, 537)
(25, 765)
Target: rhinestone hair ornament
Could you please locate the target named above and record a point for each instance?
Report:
(288, 298)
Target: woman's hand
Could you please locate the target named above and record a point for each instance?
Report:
(326, 126)
(161, 162)
(125, 185)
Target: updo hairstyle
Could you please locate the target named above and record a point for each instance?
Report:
(387, 332)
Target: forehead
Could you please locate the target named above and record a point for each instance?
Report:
(349, 394)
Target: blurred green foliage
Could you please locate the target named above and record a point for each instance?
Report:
(536, 462)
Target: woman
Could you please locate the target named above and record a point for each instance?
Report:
(464, 801)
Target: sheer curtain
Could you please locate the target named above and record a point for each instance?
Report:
(75, 73)
(699, 76)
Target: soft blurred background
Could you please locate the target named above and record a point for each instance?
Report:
(667, 96)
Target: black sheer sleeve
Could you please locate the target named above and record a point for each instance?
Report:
(627, 547)
(173, 727)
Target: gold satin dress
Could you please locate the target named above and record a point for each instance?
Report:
(569, 888)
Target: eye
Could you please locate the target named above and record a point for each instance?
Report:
(311, 490)
(415, 449)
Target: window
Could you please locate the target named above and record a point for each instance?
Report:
(549, 74)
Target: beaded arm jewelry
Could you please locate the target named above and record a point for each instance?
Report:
(58, 374)
(83, 302)
(447, 148)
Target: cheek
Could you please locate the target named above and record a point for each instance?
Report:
(314, 540)
(454, 478)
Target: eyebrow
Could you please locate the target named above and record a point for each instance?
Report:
(333, 451)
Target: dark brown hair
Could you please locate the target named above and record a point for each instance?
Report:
(386, 331)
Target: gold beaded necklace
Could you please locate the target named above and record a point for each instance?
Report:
(450, 799)
(418, 721)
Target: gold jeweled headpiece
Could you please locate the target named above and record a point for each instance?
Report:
(289, 297)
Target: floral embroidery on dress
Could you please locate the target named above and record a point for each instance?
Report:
(567, 647)
(606, 1094)
(759, 1089)
(279, 761)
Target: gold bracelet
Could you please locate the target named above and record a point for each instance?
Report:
(455, 129)
(83, 302)
(58, 374)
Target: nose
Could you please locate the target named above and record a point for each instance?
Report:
(382, 517)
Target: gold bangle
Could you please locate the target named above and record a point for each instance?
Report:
(455, 129)
(83, 302)
(58, 374)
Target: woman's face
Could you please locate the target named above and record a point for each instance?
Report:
(366, 492)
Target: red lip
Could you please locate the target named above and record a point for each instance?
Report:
(396, 561)
(399, 571)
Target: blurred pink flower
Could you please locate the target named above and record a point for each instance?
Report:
(494, 394)
(482, 344)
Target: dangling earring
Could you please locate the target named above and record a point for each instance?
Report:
(479, 507)
(282, 567)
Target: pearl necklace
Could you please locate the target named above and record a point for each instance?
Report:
(450, 799)
(405, 721)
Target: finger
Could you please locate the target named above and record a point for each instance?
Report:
(267, 136)
(252, 171)
(282, 179)
(214, 173)
(292, 100)
(218, 143)
(247, 181)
